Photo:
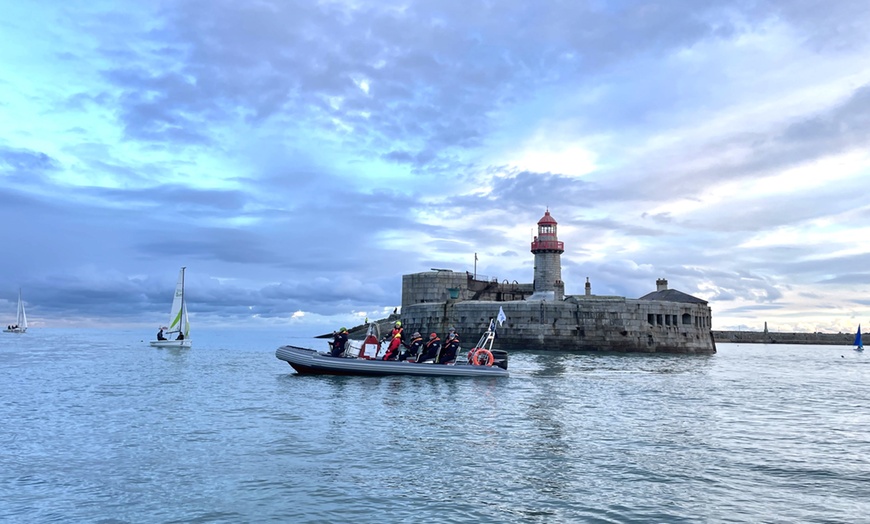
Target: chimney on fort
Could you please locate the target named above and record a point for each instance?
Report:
(588, 288)
(661, 284)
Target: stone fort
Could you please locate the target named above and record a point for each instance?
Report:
(541, 317)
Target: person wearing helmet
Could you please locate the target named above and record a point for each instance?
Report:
(396, 340)
(451, 348)
(430, 350)
(413, 348)
(339, 342)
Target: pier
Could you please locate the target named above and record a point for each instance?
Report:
(773, 337)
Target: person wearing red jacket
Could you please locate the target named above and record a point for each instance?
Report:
(395, 341)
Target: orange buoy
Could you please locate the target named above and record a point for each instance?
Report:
(476, 358)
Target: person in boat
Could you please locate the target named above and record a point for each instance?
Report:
(160, 335)
(412, 348)
(180, 336)
(430, 350)
(450, 349)
(339, 342)
(396, 340)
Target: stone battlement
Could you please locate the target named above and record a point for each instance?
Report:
(610, 324)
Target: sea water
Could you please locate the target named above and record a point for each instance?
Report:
(99, 427)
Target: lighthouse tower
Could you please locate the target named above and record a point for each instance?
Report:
(548, 258)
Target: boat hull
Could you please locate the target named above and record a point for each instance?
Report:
(16, 330)
(309, 361)
(170, 343)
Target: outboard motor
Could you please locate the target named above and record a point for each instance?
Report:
(500, 358)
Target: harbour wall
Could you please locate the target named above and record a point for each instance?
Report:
(760, 337)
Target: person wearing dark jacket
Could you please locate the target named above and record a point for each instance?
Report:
(413, 347)
(339, 342)
(160, 335)
(430, 350)
(451, 347)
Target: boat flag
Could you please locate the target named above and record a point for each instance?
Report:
(501, 316)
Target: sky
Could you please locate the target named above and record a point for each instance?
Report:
(299, 157)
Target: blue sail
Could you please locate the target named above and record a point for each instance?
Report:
(858, 343)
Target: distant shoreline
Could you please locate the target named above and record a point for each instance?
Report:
(723, 337)
(760, 337)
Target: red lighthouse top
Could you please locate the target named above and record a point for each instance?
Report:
(547, 219)
(547, 241)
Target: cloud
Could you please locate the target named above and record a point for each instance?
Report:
(300, 157)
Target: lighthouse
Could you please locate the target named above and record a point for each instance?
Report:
(548, 258)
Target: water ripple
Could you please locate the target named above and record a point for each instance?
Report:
(116, 432)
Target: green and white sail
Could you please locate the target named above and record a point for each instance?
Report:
(178, 321)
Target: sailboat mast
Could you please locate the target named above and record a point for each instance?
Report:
(183, 323)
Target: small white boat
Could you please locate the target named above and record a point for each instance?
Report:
(482, 361)
(20, 325)
(178, 332)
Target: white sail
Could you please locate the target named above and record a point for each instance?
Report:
(22, 315)
(20, 325)
(178, 320)
(185, 323)
(178, 314)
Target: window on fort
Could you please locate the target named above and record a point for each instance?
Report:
(667, 320)
(651, 319)
(687, 319)
(659, 319)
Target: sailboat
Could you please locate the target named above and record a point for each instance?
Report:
(20, 325)
(177, 334)
(859, 346)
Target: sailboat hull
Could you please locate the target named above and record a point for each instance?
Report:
(17, 330)
(171, 343)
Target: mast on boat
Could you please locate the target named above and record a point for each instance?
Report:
(183, 325)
